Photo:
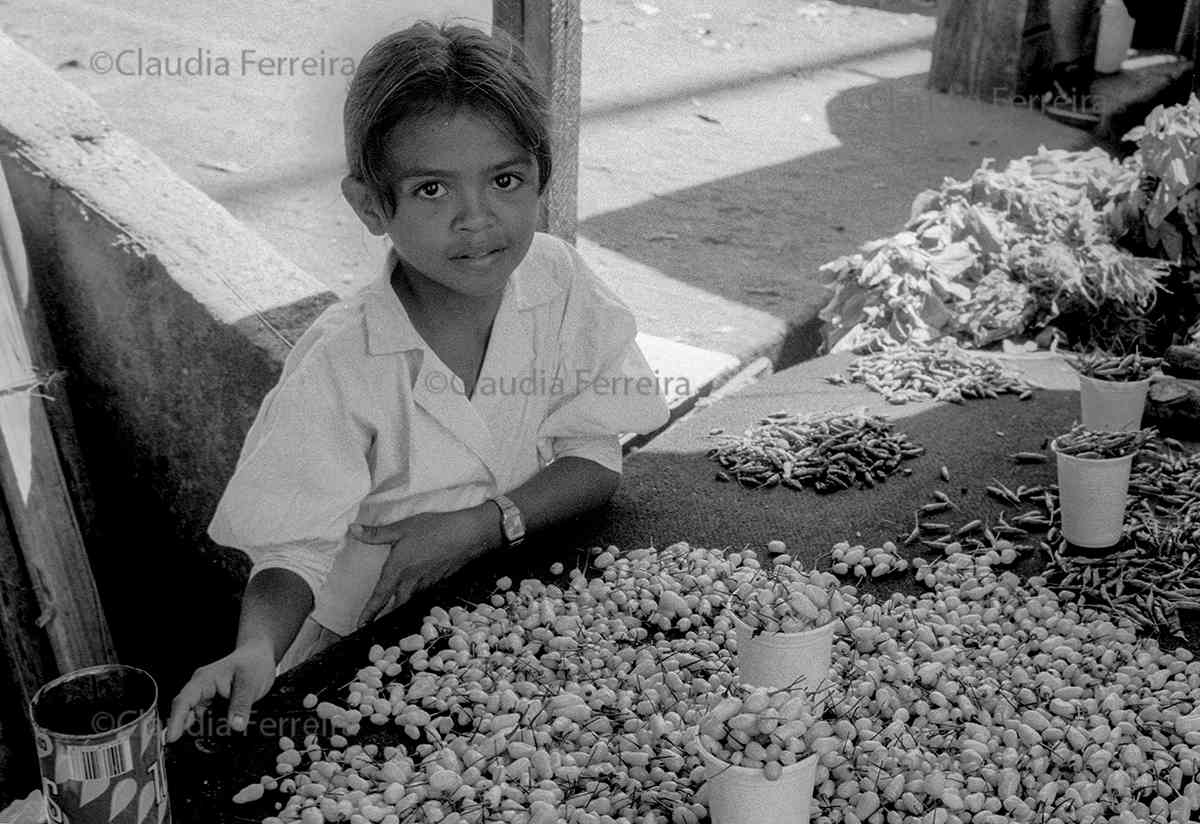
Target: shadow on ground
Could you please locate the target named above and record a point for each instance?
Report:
(926, 9)
(764, 234)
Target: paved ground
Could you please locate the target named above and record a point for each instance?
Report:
(727, 150)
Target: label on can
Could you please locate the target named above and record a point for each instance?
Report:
(100, 763)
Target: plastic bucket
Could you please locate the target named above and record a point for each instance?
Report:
(741, 795)
(1112, 406)
(799, 660)
(100, 747)
(1092, 495)
(1114, 38)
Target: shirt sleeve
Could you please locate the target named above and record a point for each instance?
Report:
(603, 449)
(608, 387)
(301, 477)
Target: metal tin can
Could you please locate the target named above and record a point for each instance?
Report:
(100, 747)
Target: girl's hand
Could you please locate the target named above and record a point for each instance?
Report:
(425, 549)
(244, 676)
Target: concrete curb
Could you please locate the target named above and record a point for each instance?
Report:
(1129, 95)
(729, 327)
(171, 320)
(751, 339)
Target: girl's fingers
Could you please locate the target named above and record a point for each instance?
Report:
(193, 698)
(180, 720)
(398, 580)
(368, 614)
(224, 681)
(241, 697)
(378, 600)
(372, 611)
(381, 534)
(406, 589)
(181, 716)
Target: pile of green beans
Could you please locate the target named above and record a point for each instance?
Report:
(827, 453)
(1105, 367)
(1081, 442)
(1152, 575)
(940, 371)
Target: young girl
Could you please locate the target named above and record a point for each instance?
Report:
(476, 390)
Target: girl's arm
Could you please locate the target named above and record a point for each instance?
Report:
(566, 488)
(428, 547)
(274, 607)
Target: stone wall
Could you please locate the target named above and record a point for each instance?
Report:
(170, 321)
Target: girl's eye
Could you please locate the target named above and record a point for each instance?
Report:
(508, 181)
(430, 190)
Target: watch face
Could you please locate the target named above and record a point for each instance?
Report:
(513, 528)
(511, 522)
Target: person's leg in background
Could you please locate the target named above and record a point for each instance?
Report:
(1068, 24)
(1073, 27)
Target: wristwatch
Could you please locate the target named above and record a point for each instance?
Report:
(512, 524)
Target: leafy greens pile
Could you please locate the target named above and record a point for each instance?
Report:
(1156, 209)
(1158, 205)
(1004, 253)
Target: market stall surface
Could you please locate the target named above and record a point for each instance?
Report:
(671, 493)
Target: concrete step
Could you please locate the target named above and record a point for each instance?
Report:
(687, 375)
(1127, 97)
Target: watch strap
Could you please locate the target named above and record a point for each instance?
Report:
(512, 524)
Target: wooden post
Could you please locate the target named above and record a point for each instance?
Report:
(26, 648)
(28, 662)
(992, 50)
(551, 33)
(1187, 41)
(35, 489)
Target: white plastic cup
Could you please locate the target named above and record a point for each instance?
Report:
(800, 660)
(1092, 494)
(742, 795)
(1114, 38)
(1112, 406)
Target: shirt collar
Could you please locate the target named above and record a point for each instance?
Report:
(389, 329)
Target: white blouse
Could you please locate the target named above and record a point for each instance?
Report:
(367, 425)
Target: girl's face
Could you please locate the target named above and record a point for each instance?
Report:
(466, 201)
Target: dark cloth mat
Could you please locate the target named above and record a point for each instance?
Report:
(669, 493)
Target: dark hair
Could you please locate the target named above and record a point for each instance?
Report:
(424, 69)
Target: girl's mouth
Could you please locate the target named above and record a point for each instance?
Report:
(483, 254)
(479, 258)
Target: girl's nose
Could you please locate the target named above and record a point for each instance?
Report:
(475, 212)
